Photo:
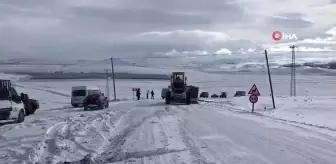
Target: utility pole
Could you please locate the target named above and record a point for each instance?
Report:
(270, 79)
(293, 76)
(114, 90)
(107, 85)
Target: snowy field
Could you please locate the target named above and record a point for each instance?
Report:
(300, 130)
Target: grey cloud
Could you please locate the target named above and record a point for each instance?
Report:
(132, 20)
(29, 3)
(309, 33)
(312, 34)
(332, 1)
(289, 23)
(104, 28)
(183, 6)
(148, 15)
(293, 15)
(214, 10)
(141, 16)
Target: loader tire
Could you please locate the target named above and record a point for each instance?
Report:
(168, 97)
(107, 104)
(188, 98)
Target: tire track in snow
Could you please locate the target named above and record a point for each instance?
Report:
(164, 134)
(69, 135)
(193, 149)
(198, 157)
(58, 138)
(114, 151)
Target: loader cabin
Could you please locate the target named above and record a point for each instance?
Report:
(178, 81)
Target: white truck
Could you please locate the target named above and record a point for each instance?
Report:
(11, 105)
(79, 93)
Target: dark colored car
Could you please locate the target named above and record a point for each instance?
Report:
(214, 96)
(95, 101)
(34, 105)
(204, 94)
(240, 93)
(223, 95)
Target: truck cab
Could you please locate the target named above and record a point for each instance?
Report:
(11, 105)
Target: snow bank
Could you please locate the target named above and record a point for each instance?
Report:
(312, 111)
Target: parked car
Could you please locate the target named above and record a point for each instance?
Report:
(95, 101)
(223, 95)
(214, 96)
(240, 93)
(30, 105)
(35, 104)
(204, 94)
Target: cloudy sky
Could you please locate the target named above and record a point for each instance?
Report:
(94, 29)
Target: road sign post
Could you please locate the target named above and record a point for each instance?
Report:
(253, 99)
(254, 93)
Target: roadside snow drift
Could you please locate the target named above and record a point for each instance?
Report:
(311, 111)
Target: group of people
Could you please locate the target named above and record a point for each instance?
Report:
(138, 94)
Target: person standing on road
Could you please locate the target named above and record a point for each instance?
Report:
(138, 94)
(147, 93)
(152, 93)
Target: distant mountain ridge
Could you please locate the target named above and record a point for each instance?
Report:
(330, 65)
(31, 61)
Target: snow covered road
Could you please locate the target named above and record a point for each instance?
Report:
(148, 131)
(232, 138)
(155, 133)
